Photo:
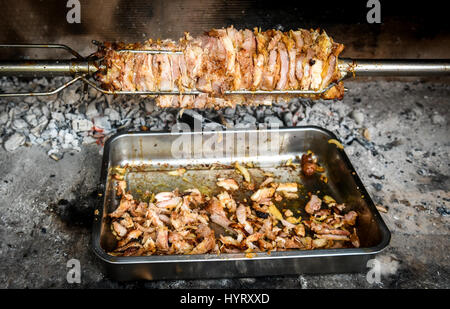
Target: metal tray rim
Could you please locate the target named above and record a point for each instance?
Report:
(386, 235)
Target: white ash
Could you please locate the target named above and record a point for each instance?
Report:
(4, 118)
(438, 119)
(14, 141)
(358, 116)
(20, 125)
(103, 123)
(389, 264)
(91, 110)
(82, 125)
(65, 121)
(112, 114)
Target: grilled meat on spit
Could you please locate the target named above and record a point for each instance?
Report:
(226, 60)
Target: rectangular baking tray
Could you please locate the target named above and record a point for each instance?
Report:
(151, 155)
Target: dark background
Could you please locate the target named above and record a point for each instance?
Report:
(408, 29)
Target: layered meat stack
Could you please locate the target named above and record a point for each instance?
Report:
(226, 60)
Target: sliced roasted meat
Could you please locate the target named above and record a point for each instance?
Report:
(284, 67)
(226, 59)
(217, 213)
(208, 243)
(287, 187)
(124, 206)
(350, 218)
(190, 222)
(323, 228)
(119, 229)
(162, 239)
(308, 164)
(313, 205)
(167, 199)
(228, 184)
(263, 195)
(241, 214)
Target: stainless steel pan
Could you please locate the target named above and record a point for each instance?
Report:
(150, 155)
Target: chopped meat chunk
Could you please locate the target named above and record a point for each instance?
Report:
(313, 205)
(228, 184)
(191, 222)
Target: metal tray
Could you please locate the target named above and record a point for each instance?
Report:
(150, 155)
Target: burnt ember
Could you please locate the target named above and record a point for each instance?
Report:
(78, 212)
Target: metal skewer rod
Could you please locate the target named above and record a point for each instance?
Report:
(151, 51)
(60, 46)
(394, 67)
(358, 67)
(26, 94)
(47, 68)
